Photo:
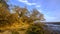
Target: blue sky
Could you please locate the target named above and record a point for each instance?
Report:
(50, 8)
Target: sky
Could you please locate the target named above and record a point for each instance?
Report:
(50, 8)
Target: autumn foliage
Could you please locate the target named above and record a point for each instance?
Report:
(21, 19)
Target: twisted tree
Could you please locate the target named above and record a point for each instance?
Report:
(21, 19)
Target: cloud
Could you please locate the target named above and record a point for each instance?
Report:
(26, 2)
(51, 18)
(30, 4)
(38, 6)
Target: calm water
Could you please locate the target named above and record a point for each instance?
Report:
(54, 27)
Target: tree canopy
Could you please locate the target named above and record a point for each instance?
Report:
(21, 19)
